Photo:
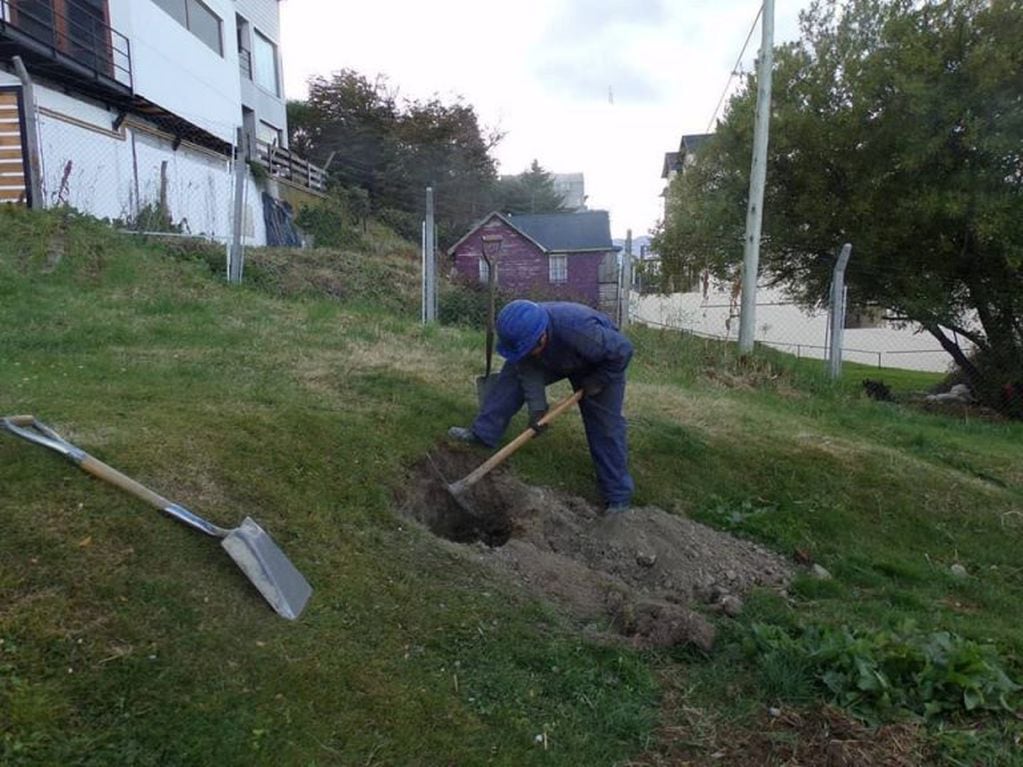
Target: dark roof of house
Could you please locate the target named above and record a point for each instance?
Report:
(582, 231)
(670, 163)
(692, 142)
(586, 230)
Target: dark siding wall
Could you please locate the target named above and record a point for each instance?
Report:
(523, 267)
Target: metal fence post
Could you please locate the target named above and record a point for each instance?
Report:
(837, 320)
(431, 264)
(234, 253)
(28, 102)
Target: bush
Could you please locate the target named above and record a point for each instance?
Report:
(406, 224)
(330, 224)
(466, 303)
(886, 675)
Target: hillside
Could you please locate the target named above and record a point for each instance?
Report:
(309, 399)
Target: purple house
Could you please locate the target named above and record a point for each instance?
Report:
(550, 256)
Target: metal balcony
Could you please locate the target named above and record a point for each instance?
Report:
(67, 40)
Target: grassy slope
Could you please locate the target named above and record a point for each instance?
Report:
(127, 639)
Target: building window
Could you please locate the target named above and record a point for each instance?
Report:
(244, 54)
(268, 134)
(197, 19)
(484, 270)
(558, 268)
(264, 60)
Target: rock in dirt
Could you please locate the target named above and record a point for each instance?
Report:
(732, 606)
(640, 573)
(644, 559)
(820, 573)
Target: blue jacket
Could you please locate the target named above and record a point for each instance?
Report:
(583, 345)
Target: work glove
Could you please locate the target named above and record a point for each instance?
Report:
(534, 422)
(592, 387)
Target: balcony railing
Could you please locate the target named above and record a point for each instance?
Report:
(284, 164)
(68, 32)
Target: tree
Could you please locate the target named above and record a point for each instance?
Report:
(531, 191)
(393, 150)
(896, 126)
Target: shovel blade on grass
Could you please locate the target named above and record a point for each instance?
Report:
(270, 571)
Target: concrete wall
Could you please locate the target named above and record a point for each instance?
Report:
(786, 327)
(114, 174)
(176, 70)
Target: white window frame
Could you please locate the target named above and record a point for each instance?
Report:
(259, 38)
(557, 268)
(182, 15)
(484, 270)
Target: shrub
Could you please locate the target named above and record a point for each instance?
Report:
(463, 302)
(886, 675)
(330, 224)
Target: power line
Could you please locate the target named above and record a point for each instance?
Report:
(735, 69)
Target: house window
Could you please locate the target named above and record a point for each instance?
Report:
(264, 61)
(268, 134)
(244, 54)
(484, 270)
(558, 268)
(197, 19)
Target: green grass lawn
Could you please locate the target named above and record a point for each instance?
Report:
(302, 399)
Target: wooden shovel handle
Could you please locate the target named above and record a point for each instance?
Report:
(497, 458)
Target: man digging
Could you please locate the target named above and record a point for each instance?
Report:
(543, 343)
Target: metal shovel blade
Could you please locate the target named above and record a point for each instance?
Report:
(270, 571)
(483, 386)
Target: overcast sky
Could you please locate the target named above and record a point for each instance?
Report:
(602, 87)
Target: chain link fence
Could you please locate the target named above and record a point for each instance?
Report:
(870, 337)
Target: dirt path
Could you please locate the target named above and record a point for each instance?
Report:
(638, 575)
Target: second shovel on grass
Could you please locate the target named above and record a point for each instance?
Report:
(249, 545)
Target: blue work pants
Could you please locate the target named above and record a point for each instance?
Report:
(602, 418)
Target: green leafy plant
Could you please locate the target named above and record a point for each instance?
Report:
(884, 675)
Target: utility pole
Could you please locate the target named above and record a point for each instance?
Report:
(758, 176)
(838, 301)
(430, 261)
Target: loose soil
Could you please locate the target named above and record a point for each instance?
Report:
(827, 737)
(648, 577)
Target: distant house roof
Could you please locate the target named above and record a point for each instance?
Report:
(586, 230)
(563, 232)
(670, 163)
(689, 144)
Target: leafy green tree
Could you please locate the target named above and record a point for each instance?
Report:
(393, 150)
(531, 191)
(896, 126)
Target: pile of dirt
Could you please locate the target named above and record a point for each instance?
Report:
(637, 574)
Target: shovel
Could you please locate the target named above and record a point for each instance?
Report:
(485, 382)
(457, 489)
(249, 545)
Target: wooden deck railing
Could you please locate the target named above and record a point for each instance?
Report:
(282, 163)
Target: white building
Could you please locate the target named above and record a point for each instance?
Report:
(135, 107)
(572, 188)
